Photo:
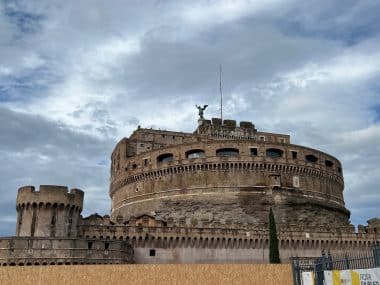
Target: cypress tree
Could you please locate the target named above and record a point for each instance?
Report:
(274, 254)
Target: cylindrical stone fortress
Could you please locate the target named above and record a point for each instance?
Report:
(52, 211)
(225, 173)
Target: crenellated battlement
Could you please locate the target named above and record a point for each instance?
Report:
(217, 128)
(53, 211)
(96, 226)
(50, 195)
(175, 235)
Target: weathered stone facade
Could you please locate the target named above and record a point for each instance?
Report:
(199, 197)
(224, 172)
(49, 251)
(47, 232)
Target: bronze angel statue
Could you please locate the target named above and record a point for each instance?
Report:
(201, 111)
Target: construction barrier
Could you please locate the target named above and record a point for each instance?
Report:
(146, 274)
(345, 277)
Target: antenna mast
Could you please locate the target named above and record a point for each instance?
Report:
(221, 94)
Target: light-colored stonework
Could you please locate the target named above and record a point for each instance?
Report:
(199, 197)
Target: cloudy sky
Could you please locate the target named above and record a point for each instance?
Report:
(77, 76)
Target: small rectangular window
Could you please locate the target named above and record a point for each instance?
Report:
(294, 154)
(282, 140)
(141, 144)
(145, 162)
(106, 246)
(254, 151)
(152, 252)
(262, 138)
(53, 219)
(89, 245)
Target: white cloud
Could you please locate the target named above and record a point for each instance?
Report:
(355, 139)
(217, 12)
(99, 62)
(343, 69)
(32, 61)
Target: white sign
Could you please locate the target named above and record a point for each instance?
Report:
(352, 277)
(307, 278)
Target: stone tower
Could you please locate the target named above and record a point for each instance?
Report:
(52, 211)
(225, 172)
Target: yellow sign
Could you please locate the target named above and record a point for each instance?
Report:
(346, 277)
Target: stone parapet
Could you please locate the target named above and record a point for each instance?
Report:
(228, 237)
(50, 251)
(50, 194)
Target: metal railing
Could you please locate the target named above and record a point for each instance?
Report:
(349, 260)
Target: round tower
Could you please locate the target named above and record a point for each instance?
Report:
(223, 172)
(53, 211)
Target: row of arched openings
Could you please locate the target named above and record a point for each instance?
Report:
(234, 152)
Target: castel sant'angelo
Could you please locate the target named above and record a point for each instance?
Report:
(200, 197)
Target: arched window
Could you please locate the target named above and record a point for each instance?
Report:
(195, 153)
(311, 158)
(227, 152)
(166, 157)
(274, 152)
(329, 163)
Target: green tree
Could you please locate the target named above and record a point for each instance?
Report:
(274, 254)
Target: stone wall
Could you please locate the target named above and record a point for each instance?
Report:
(46, 251)
(158, 241)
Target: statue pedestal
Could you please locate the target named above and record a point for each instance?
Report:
(200, 123)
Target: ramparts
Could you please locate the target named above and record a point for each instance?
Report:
(195, 241)
(52, 251)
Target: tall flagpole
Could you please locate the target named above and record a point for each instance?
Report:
(221, 94)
